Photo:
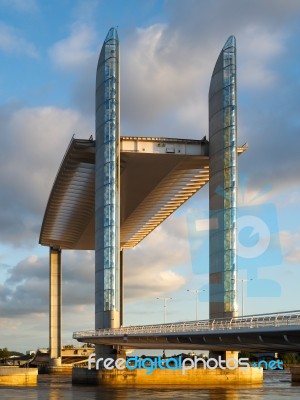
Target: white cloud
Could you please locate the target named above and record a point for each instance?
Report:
(150, 268)
(159, 83)
(12, 42)
(151, 283)
(165, 73)
(258, 48)
(75, 51)
(294, 256)
(20, 5)
(290, 243)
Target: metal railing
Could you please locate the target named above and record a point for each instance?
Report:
(274, 320)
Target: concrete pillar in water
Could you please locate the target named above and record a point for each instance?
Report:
(55, 307)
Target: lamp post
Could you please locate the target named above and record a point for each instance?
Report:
(165, 305)
(196, 291)
(243, 292)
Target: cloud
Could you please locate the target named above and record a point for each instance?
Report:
(294, 256)
(32, 267)
(24, 299)
(153, 283)
(159, 85)
(266, 60)
(25, 291)
(75, 51)
(20, 5)
(290, 245)
(260, 33)
(4, 293)
(267, 129)
(77, 54)
(257, 49)
(227, 17)
(33, 143)
(151, 269)
(166, 68)
(12, 42)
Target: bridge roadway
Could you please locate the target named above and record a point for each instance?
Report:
(276, 332)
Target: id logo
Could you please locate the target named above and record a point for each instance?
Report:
(258, 245)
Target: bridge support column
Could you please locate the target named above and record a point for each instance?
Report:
(231, 354)
(55, 308)
(121, 289)
(107, 192)
(225, 355)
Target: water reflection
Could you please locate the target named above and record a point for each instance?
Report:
(277, 385)
(224, 394)
(62, 388)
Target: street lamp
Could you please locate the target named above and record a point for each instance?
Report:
(243, 296)
(196, 291)
(165, 305)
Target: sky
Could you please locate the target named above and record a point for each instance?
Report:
(48, 58)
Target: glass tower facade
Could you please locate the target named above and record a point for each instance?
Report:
(223, 184)
(107, 278)
(222, 187)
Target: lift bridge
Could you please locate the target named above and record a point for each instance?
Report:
(278, 332)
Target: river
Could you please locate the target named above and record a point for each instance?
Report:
(277, 385)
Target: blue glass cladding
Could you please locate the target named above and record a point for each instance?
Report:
(107, 137)
(223, 180)
(230, 171)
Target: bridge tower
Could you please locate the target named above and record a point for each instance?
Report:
(223, 184)
(107, 184)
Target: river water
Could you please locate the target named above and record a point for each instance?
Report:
(277, 385)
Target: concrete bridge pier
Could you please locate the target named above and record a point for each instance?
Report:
(55, 296)
(225, 355)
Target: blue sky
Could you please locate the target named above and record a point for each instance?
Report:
(48, 57)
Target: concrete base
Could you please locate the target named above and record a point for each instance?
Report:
(55, 362)
(60, 370)
(15, 376)
(195, 378)
(295, 372)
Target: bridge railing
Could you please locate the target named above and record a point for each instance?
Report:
(274, 320)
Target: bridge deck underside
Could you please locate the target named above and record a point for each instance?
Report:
(154, 183)
(157, 176)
